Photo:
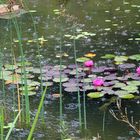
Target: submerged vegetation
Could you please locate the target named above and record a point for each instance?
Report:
(64, 79)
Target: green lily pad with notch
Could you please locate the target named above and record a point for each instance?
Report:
(82, 59)
(135, 57)
(95, 95)
(119, 85)
(108, 56)
(130, 88)
(120, 58)
(135, 83)
(127, 96)
(121, 92)
(63, 79)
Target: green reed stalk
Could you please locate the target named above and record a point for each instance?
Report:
(15, 79)
(37, 114)
(2, 124)
(12, 126)
(84, 105)
(78, 92)
(24, 72)
(60, 89)
(39, 54)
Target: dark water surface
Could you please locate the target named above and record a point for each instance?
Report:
(116, 24)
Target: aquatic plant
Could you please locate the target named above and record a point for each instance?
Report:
(89, 63)
(138, 70)
(122, 116)
(98, 81)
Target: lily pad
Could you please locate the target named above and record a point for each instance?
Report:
(108, 56)
(71, 89)
(71, 84)
(88, 87)
(5, 74)
(99, 69)
(10, 67)
(57, 80)
(110, 77)
(86, 80)
(57, 67)
(135, 57)
(37, 71)
(48, 84)
(130, 88)
(127, 96)
(119, 85)
(30, 93)
(120, 58)
(126, 66)
(25, 64)
(135, 83)
(95, 94)
(82, 59)
(29, 88)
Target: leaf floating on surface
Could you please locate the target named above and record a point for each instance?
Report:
(95, 94)
(82, 59)
(58, 80)
(108, 56)
(127, 96)
(135, 57)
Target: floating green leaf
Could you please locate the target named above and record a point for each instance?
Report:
(127, 96)
(108, 56)
(82, 59)
(119, 85)
(120, 58)
(130, 88)
(30, 93)
(58, 80)
(135, 57)
(95, 94)
(10, 67)
(134, 83)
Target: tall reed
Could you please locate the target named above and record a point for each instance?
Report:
(23, 69)
(1, 124)
(78, 92)
(37, 114)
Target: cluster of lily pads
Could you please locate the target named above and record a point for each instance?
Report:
(122, 79)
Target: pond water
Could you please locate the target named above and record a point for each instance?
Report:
(116, 27)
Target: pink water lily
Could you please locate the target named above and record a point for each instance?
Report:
(98, 82)
(138, 70)
(88, 63)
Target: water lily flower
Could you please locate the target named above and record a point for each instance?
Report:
(98, 82)
(88, 63)
(138, 70)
